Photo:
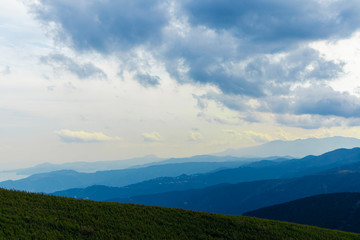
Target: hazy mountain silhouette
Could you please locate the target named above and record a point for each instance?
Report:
(254, 171)
(297, 148)
(87, 166)
(65, 179)
(336, 211)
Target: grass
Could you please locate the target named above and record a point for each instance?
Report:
(35, 216)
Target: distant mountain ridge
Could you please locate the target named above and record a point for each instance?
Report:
(65, 179)
(236, 199)
(297, 148)
(270, 151)
(87, 166)
(91, 167)
(339, 211)
(250, 172)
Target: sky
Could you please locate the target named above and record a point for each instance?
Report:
(93, 80)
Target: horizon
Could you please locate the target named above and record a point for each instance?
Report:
(227, 153)
(90, 81)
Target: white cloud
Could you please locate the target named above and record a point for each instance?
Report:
(152, 137)
(232, 132)
(82, 136)
(195, 136)
(81, 70)
(258, 137)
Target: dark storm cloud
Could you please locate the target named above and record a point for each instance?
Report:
(204, 56)
(265, 78)
(277, 20)
(327, 102)
(82, 71)
(207, 56)
(103, 25)
(227, 32)
(317, 100)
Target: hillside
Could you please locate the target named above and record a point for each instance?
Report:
(337, 211)
(35, 216)
(235, 199)
(260, 170)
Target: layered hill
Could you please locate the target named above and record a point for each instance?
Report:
(337, 211)
(64, 179)
(241, 172)
(35, 216)
(277, 169)
(235, 199)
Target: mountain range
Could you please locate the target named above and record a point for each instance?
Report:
(297, 148)
(236, 199)
(270, 150)
(86, 166)
(65, 179)
(276, 169)
(227, 185)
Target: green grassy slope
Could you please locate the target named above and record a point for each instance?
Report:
(34, 216)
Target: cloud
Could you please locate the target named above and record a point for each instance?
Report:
(277, 73)
(277, 21)
(103, 25)
(82, 136)
(319, 100)
(201, 102)
(249, 135)
(218, 118)
(147, 80)
(316, 100)
(327, 102)
(241, 55)
(231, 132)
(257, 137)
(308, 121)
(195, 136)
(255, 76)
(231, 101)
(152, 137)
(51, 88)
(6, 71)
(82, 71)
(255, 52)
(207, 42)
